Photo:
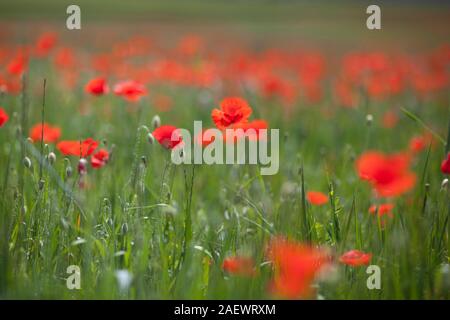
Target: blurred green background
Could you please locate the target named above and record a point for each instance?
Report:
(404, 23)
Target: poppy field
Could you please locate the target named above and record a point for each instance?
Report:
(93, 206)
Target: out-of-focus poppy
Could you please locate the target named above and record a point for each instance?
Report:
(49, 133)
(3, 117)
(45, 43)
(382, 209)
(99, 159)
(130, 90)
(232, 110)
(167, 136)
(445, 165)
(355, 258)
(389, 120)
(316, 198)
(17, 65)
(239, 265)
(388, 174)
(77, 148)
(97, 86)
(296, 266)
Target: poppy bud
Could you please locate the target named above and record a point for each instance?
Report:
(41, 184)
(27, 162)
(444, 183)
(82, 166)
(51, 157)
(29, 140)
(150, 138)
(124, 228)
(369, 119)
(156, 121)
(69, 171)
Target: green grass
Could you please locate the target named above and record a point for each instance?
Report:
(175, 250)
(172, 226)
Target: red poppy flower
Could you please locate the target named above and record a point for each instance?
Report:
(445, 165)
(316, 198)
(17, 65)
(100, 158)
(419, 143)
(167, 136)
(97, 86)
(296, 265)
(3, 117)
(382, 209)
(236, 265)
(232, 110)
(388, 174)
(45, 43)
(75, 148)
(390, 119)
(51, 134)
(130, 90)
(251, 129)
(355, 258)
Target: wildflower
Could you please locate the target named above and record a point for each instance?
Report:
(48, 132)
(355, 258)
(167, 136)
(77, 148)
(130, 90)
(232, 110)
(389, 175)
(17, 65)
(97, 86)
(99, 159)
(296, 266)
(382, 209)
(3, 117)
(445, 165)
(238, 265)
(45, 43)
(316, 198)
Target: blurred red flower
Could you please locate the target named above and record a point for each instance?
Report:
(445, 165)
(355, 258)
(232, 110)
(3, 117)
(130, 90)
(167, 136)
(45, 43)
(100, 158)
(382, 209)
(97, 86)
(316, 198)
(295, 265)
(390, 119)
(237, 265)
(51, 134)
(77, 148)
(389, 175)
(17, 65)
